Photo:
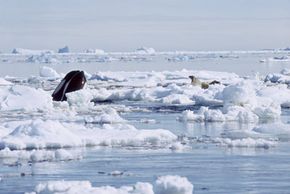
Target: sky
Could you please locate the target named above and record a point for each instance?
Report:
(124, 25)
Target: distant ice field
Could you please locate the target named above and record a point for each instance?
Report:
(241, 62)
(139, 125)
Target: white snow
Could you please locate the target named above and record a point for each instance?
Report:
(39, 134)
(145, 50)
(42, 58)
(173, 185)
(62, 124)
(4, 82)
(24, 98)
(22, 51)
(246, 101)
(38, 155)
(48, 72)
(95, 51)
(163, 185)
(63, 50)
(246, 142)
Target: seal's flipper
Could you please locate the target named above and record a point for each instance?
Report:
(73, 81)
(214, 82)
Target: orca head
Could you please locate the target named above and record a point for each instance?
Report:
(73, 81)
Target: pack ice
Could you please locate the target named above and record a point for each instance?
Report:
(46, 124)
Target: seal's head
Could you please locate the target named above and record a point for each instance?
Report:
(194, 80)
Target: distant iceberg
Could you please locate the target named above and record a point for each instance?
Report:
(31, 52)
(145, 50)
(95, 51)
(63, 50)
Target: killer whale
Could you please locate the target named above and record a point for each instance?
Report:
(73, 81)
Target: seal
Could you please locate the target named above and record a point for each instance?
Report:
(203, 85)
(73, 81)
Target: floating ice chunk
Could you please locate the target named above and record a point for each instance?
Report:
(178, 146)
(180, 58)
(173, 185)
(145, 50)
(240, 94)
(102, 76)
(268, 112)
(80, 99)
(234, 113)
(279, 58)
(285, 71)
(109, 115)
(4, 82)
(95, 51)
(20, 97)
(189, 115)
(279, 94)
(246, 142)
(40, 134)
(241, 114)
(164, 185)
(176, 99)
(148, 121)
(48, 72)
(116, 173)
(277, 78)
(42, 58)
(63, 50)
(12, 156)
(30, 52)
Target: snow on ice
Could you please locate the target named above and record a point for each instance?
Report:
(61, 124)
(163, 185)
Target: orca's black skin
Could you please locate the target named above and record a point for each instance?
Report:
(73, 81)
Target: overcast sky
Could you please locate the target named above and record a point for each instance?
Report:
(124, 25)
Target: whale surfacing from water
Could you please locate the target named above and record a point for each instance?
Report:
(73, 81)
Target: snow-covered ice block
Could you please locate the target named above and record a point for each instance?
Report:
(173, 185)
(48, 72)
(63, 50)
(19, 97)
(30, 52)
(164, 185)
(246, 142)
(39, 134)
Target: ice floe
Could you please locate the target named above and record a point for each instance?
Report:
(24, 98)
(246, 142)
(11, 157)
(63, 50)
(22, 51)
(91, 117)
(48, 72)
(145, 50)
(4, 82)
(163, 185)
(39, 134)
(246, 101)
(95, 51)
